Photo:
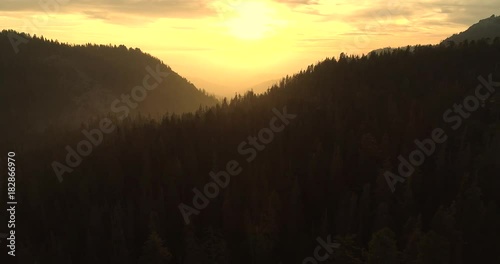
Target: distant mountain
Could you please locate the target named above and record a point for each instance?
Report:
(382, 50)
(223, 91)
(261, 88)
(48, 82)
(219, 90)
(389, 50)
(485, 28)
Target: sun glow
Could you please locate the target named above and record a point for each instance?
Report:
(250, 20)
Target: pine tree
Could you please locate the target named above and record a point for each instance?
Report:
(382, 248)
(154, 252)
(433, 249)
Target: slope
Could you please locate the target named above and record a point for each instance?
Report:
(48, 83)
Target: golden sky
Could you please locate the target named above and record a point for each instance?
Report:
(235, 44)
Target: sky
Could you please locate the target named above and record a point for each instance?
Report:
(229, 45)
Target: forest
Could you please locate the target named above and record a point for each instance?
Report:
(63, 85)
(320, 177)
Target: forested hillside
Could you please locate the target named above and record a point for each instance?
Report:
(485, 28)
(323, 171)
(50, 83)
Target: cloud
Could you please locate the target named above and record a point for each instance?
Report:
(96, 15)
(365, 34)
(103, 9)
(356, 13)
(298, 2)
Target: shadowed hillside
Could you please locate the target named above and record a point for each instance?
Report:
(50, 83)
(485, 28)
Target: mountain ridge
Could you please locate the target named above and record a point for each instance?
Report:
(488, 28)
(81, 82)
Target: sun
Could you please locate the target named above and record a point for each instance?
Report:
(250, 20)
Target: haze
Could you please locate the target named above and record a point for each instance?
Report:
(227, 46)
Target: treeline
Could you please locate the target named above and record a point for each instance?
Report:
(322, 175)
